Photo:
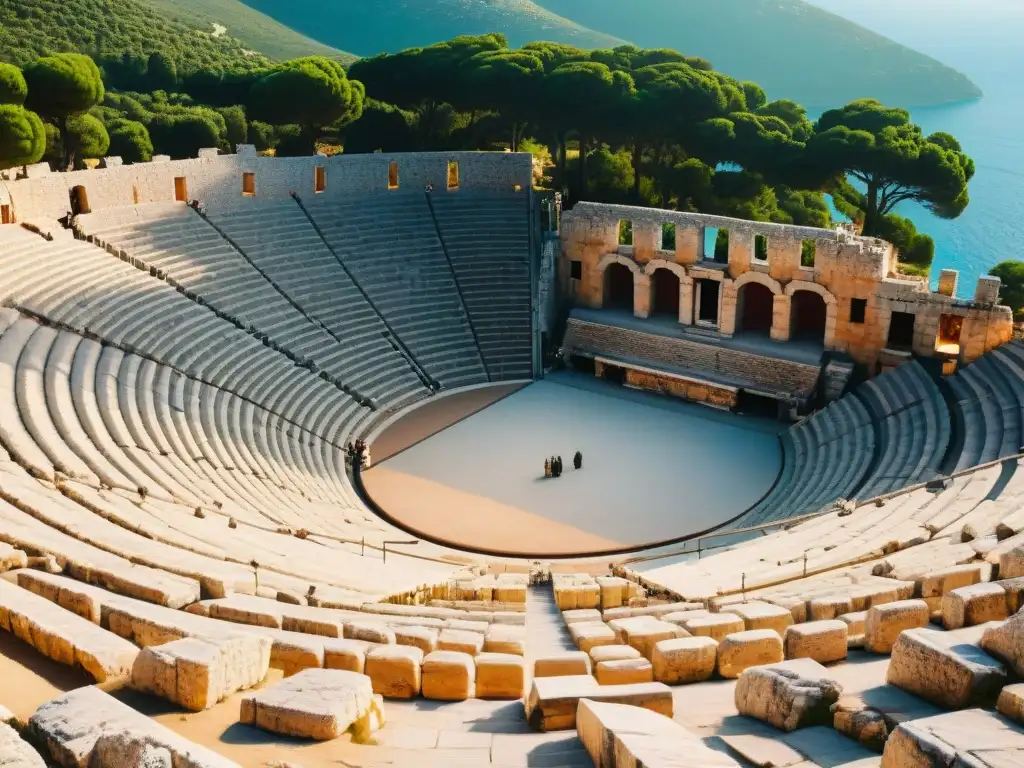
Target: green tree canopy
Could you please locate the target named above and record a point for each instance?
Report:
(13, 88)
(130, 141)
(879, 147)
(60, 87)
(1011, 293)
(182, 135)
(236, 127)
(161, 72)
(22, 137)
(86, 137)
(381, 126)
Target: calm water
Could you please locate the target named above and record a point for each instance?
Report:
(983, 39)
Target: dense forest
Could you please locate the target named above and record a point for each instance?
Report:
(631, 125)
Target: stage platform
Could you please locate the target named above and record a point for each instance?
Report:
(654, 469)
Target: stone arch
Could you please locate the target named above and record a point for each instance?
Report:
(755, 308)
(671, 290)
(813, 312)
(617, 258)
(757, 277)
(619, 277)
(731, 309)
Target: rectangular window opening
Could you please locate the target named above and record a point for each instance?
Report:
(950, 328)
(576, 269)
(858, 310)
(249, 184)
(625, 232)
(808, 250)
(668, 236)
(319, 179)
(79, 200)
(761, 249)
(901, 331)
(135, 195)
(716, 245)
(5, 215)
(392, 175)
(181, 189)
(453, 174)
(707, 302)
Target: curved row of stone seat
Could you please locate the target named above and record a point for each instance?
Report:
(390, 245)
(486, 236)
(279, 239)
(942, 526)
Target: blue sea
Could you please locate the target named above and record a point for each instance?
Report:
(983, 39)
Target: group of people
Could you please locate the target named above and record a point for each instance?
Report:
(553, 466)
(356, 452)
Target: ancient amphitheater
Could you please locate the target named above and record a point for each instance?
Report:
(797, 538)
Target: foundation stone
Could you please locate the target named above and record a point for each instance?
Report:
(685, 660)
(789, 695)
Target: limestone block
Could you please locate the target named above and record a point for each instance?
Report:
(618, 736)
(624, 671)
(685, 660)
(822, 641)
(369, 631)
(614, 591)
(349, 655)
(11, 558)
(1006, 642)
(643, 632)
(424, 638)
(585, 614)
(588, 596)
(552, 701)
(884, 623)
(863, 724)
(716, 626)
(946, 672)
(613, 653)
(1011, 702)
(1014, 589)
(854, 623)
(742, 650)
(449, 676)
(460, 640)
(976, 604)
(502, 638)
(395, 670)
(500, 676)
(16, 753)
(679, 618)
(758, 615)
(938, 583)
(789, 695)
(132, 751)
(562, 664)
(87, 727)
(589, 635)
(1011, 564)
(196, 674)
(318, 704)
(973, 738)
(829, 607)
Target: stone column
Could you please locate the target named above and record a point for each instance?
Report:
(784, 258)
(641, 295)
(831, 321)
(741, 252)
(987, 291)
(728, 295)
(948, 279)
(781, 317)
(689, 244)
(926, 331)
(646, 241)
(686, 302)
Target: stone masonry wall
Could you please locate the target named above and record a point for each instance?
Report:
(846, 268)
(217, 179)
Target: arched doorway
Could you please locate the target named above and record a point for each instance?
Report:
(618, 287)
(755, 306)
(807, 322)
(665, 293)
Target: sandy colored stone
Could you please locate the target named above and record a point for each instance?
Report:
(461, 641)
(972, 738)
(1006, 642)
(1011, 563)
(614, 591)
(74, 727)
(789, 695)
(369, 631)
(759, 615)
(976, 604)
(320, 704)
(584, 614)
(562, 664)
(945, 580)
(500, 676)
(716, 625)
(644, 632)
(15, 752)
(619, 736)
(196, 673)
(1014, 589)
(395, 670)
(347, 655)
(948, 673)
(829, 607)
(449, 676)
(823, 641)
(501, 638)
(1011, 702)
(424, 638)
(685, 660)
(624, 671)
(589, 635)
(11, 558)
(864, 725)
(742, 650)
(613, 653)
(552, 701)
(883, 623)
(679, 618)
